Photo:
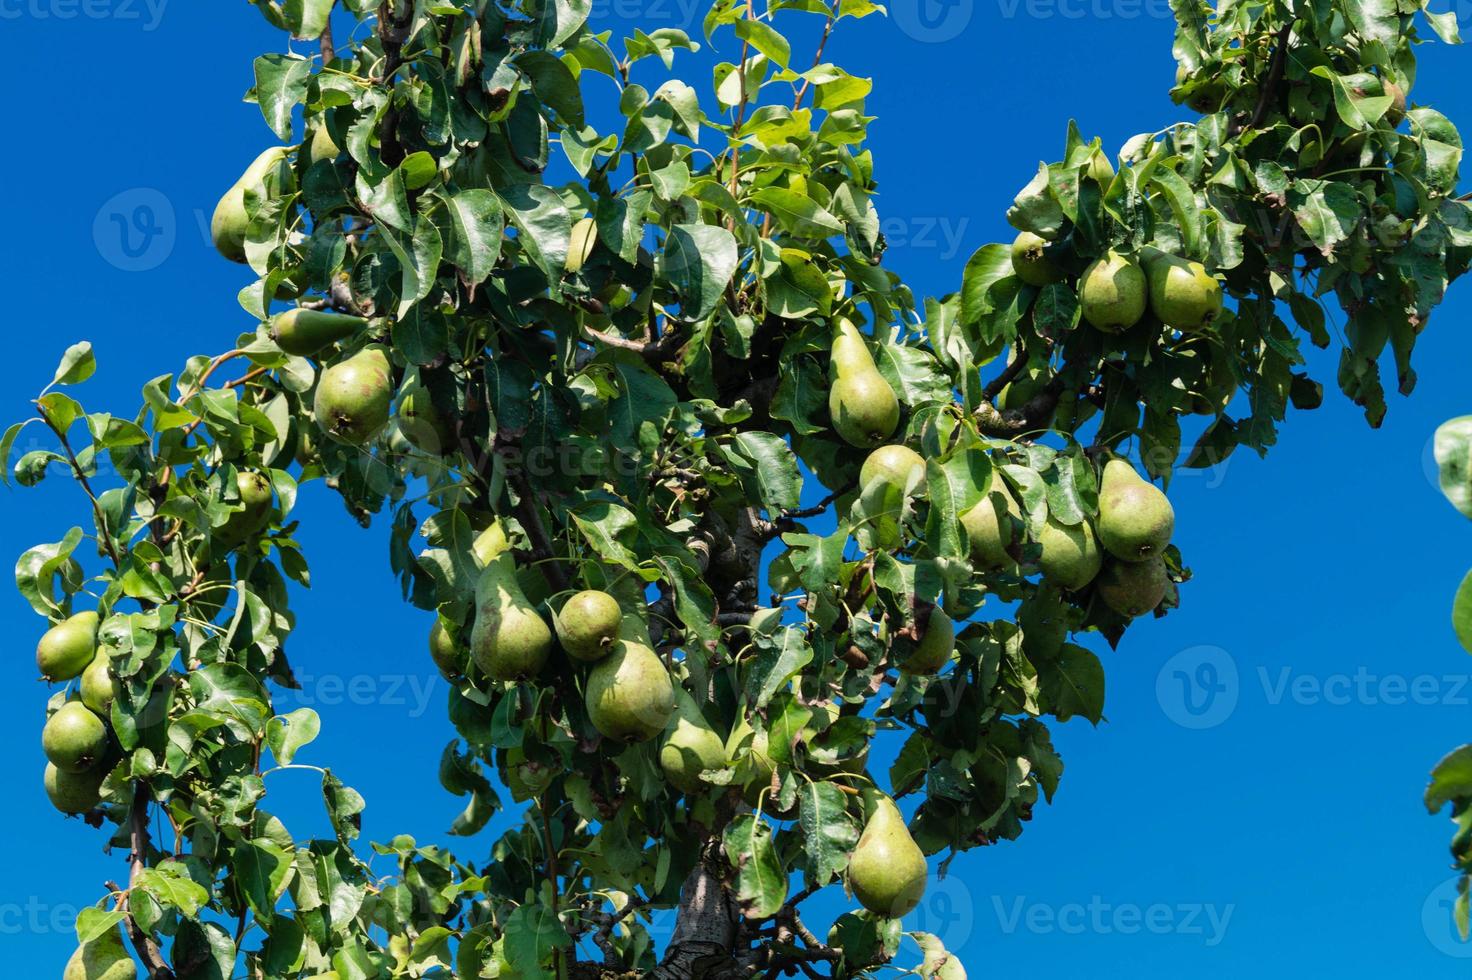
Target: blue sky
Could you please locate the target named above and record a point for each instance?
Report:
(1284, 838)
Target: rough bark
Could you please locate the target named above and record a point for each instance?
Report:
(703, 946)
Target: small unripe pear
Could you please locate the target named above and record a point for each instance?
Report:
(255, 500)
(899, 466)
(588, 625)
(96, 686)
(1136, 520)
(936, 645)
(1182, 295)
(887, 870)
(68, 647)
(305, 332)
(74, 738)
(445, 651)
(864, 407)
(1030, 260)
(1133, 588)
(1071, 555)
(353, 397)
(630, 697)
(1112, 293)
(74, 792)
(320, 146)
(691, 747)
(104, 958)
(421, 423)
(990, 528)
(580, 246)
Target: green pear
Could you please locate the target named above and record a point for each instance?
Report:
(990, 526)
(1136, 520)
(1133, 588)
(420, 422)
(255, 499)
(588, 624)
(580, 246)
(899, 466)
(1112, 292)
(864, 407)
(353, 397)
(936, 645)
(320, 145)
(1030, 260)
(230, 221)
(445, 650)
(691, 747)
(68, 647)
(96, 686)
(102, 959)
(1071, 556)
(630, 697)
(74, 792)
(1182, 295)
(510, 641)
(305, 332)
(887, 870)
(74, 738)
(754, 768)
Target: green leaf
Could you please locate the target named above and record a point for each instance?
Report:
(285, 734)
(798, 214)
(532, 934)
(766, 39)
(1451, 780)
(1462, 613)
(543, 225)
(76, 366)
(281, 85)
(829, 832)
(761, 883)
(698, 261)
(768, 467)
(307, 18)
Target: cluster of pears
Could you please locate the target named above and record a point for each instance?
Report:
(76, 738)
(1116, 289)
(1136, 522)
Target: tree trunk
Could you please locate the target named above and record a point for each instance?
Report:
(703, 946)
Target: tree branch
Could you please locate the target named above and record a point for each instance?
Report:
(143, 944)
(1276, 70)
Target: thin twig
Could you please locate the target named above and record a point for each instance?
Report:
(1275, 77)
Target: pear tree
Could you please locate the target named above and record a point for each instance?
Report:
(699, 500)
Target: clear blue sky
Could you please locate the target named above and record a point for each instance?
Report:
(1286, 839)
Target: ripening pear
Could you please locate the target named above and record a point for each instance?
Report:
(899, 466)
(445, 650)
(1136, 520)
(68, 647)
(230, 221)
(420, 422)
(990, 526)
(104, 958)
(887, 870)
(630, 697)
(96, 686)
(74, 792)
(580, 246)
(305, 332)
(1071, 556)
(864, 407)
(353, 397)
(320, 145)
(1133, 588)
(255, 499)
(936, 645)
(74, 738)
(588, 625)
(1030, 260)
(1112, 292)
(1182, 294)
(691, 746)
(510, 641)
